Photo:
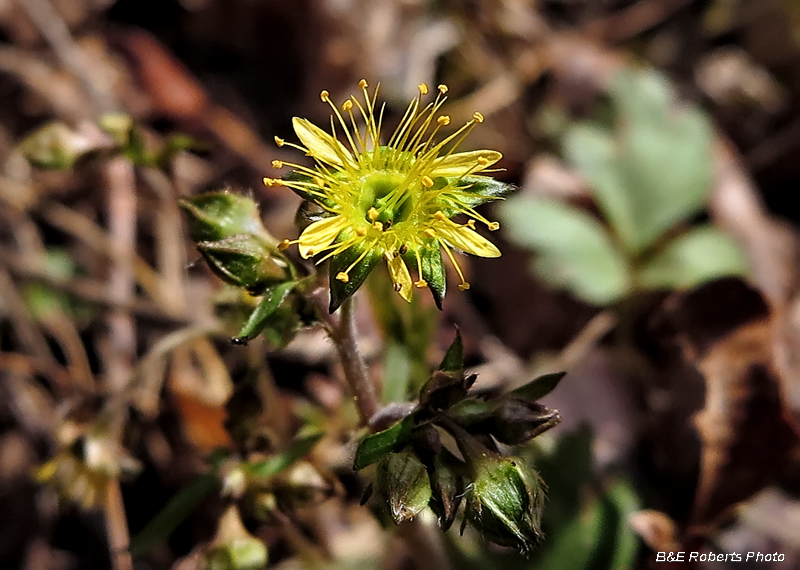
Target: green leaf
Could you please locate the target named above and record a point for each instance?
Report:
(453, 360)
(340, 263)
(375, 446)
(702, 254)
(539, 387)
(174, 513)
(655, 169)
(274, 465)
(259, 318)
(573, 249)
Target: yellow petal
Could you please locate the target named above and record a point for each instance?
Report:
(321, 145)
(465, 239)
(463, 162)
(320, 235)
(400, 276)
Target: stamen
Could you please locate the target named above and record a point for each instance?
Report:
(279, 141)
(440, 216)
(347, 106)
(444, 120)
(378, 226)
(423, 89)
(276, 164)
(463, 286)
(471, 224)
(427, 182)
(372, 214)
(325, 96)
(483, 161)
(478, 117)
(318, 180)
(430, 233)
(284, 244)
(442, 88)
(493, 226)
(361, 231)
(421, 284)
(272, 182)
(342, 276)
(363, 84)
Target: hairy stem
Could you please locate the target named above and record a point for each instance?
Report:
(343, 335)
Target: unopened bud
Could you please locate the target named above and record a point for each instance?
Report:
(403, 481)
(245, 261)
(218, 215)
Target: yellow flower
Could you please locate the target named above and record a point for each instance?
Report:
(392, 200)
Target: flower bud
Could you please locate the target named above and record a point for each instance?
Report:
(218, 215)
(234, 548)
(403, 480)
(57, 146)
(505, 500)
(244, 260)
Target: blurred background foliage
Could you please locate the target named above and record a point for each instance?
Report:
(651, 252)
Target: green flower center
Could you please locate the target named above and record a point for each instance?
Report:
(383, 191)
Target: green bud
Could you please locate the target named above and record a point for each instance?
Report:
(403, 480)
(447, 489)
(504, 502)
(233, 547)
(218, 215)
(244, 260)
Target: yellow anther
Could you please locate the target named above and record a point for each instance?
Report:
(442, 88)
(361, 231)
(284, 244)
(483, 161)
(319, 181)
(427, 182)
(342, 276)
(325, 95)
(271, 182)
(471, 224)
(363, 84)
(378, 226)
(397, 287)
(277, 164)
(440, 216)
(423, 89)
(477, 116)
(372, 214)
(421, 284)
(493, 226)
(444, 120)
(430, 233)
(347, 106)
(463, 286)
(279, 141)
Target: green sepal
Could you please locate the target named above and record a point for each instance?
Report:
(447, 489)
(430, 256)
(259, 318)
(472, 191)
(317, 198)
(375, 446)
(340, 263)
(538, 387)
(274, 465)
(453, 360)
(217, 215)
(244, 260)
